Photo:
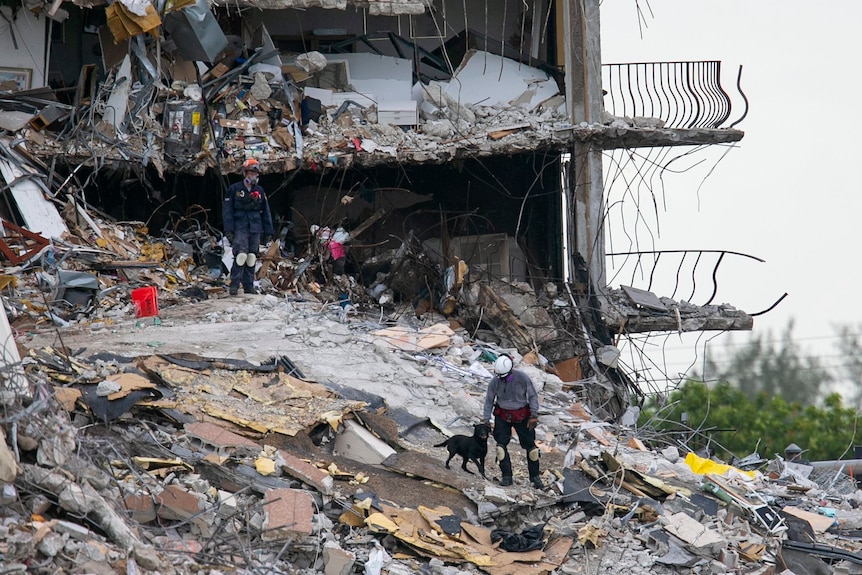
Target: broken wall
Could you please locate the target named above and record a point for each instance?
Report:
(510, 192)
(22, 49)
(74, 43)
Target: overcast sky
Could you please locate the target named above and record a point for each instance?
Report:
(790, 193)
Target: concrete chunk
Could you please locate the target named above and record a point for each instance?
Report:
(306, 472)
(288, 512)
(177, 504)
(692, 532)
(8, 465)
(337, 561)
(74, 530)
(219, 440)
(140, 507)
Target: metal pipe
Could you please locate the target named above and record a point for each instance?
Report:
(854, 465)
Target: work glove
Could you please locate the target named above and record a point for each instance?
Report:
(531, 423)
(229, 236)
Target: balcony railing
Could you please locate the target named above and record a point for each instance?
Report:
(681, 94)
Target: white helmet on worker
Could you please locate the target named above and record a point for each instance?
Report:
(503, 365)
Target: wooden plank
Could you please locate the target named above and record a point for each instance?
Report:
(267, 260)
(819, 523)
(414, 464)
(504, 131)
(113, 245)
(367, 223)
(557, 550)
(28, 244)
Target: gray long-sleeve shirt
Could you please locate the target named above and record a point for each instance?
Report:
(513, 392)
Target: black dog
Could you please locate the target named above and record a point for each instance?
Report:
(471, 448)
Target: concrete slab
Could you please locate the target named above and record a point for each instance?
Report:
(359, 444)
(337, 561)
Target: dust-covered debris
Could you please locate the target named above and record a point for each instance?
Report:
(179, 479)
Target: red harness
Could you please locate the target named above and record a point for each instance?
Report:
(512, 415)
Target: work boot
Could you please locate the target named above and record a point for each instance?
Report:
(537, 482)
(249, 289)
(233, 290)
(505, 481)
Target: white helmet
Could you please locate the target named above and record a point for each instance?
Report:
(503, 365)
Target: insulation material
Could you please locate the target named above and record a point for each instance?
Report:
(124, 23)
(487, 79)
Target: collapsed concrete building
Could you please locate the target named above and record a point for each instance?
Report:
(475, 133)
(461, 149)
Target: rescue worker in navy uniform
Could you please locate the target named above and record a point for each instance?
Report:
(512, 399)
(247, 223)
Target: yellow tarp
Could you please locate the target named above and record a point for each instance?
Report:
(703, 466)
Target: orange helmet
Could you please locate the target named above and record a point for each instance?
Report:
(251, 165)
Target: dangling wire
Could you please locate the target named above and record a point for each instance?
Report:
(466, 28)
(485, 67)
(523, 25)
(503, 40)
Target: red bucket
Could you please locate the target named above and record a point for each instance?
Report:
(145, 301)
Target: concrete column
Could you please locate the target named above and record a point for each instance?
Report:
(583, 62)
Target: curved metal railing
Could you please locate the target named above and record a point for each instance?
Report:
(681, 94)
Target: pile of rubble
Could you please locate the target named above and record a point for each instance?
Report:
(281, 434)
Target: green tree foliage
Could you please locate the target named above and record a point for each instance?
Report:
(764, 367)
(735, 424)
(851, 368)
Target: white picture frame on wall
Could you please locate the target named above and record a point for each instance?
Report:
(22, 77)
